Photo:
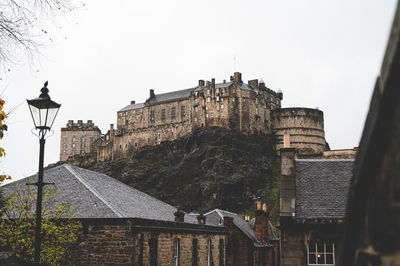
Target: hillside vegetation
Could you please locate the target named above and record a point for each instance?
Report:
(212, 168)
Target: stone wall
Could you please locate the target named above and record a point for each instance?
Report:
(78, 138)
(301, 128)
(127, 242)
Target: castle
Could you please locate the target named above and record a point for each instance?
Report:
(247, 107)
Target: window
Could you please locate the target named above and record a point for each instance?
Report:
(222, 113)
(73, 152)
(207, 115)
(321, 253)
(206, 108)
(256, 100)
(65, 145)
(83, 139)
(244, 108)
(256, 111)
(244, 100)
(65, 139)
(221, 252)
(212, 114)
(195, 119)
(64, 152)
(208, 91)
(94, 139)
(152, 116)
(173, 113)
(175, 258)
(217, 90)
(83, 145)
(209, 255)
(82, 151)
(194, 252)
(73, 145)
(183, 112)
(196, 109)
(222, 107)
(73, 139)
(153, 246)
(163, 115)
(212, 107)
(208, 99)
(196, 94)
(217, 98)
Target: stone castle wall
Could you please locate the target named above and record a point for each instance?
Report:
(300, 128)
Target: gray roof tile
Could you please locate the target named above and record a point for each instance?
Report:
(132, 107)
(322, 188)
(96, 195)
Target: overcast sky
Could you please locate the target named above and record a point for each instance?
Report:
(320, 53)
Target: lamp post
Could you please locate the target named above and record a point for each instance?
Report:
(44, 112)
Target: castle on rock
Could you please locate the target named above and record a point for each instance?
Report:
(246, 107)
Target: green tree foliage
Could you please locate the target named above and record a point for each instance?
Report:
(3, 127)
(17, 228)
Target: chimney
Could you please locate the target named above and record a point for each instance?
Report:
(201, 83)
(179, 215)
(79, 123)
(231, 78)
(201, 219)
(286, 140)
(237, 77)
(133, 102)
(90, 123)
(152, 95)
(261, 223)
(208, 83)
(287, 182)
(213, 83)
(224, 81)
(253, 83)
(111, 127)
(70, 123)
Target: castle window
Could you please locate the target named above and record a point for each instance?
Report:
(126, 122)
(256, 111)
(222, 113)
(208, 91)
(173, 113)
(195, 119)
(183, 112)
(217, 98)
(163, 115)
(321, 253)
(152, 116)
(208, 99)
(222, 107)
(217, 90)
(120, 146)
(196, 109)
(175, 258)
(73, 145)
(207, 115)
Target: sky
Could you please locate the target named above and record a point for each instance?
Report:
(320, 53)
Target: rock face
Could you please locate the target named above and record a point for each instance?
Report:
(211, 168)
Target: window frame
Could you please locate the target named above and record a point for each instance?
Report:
(324, 253)
(176, 252)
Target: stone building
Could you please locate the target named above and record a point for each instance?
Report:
(124, 226)
(247, 107)
(372, 225)
(78, 138)
(252, 243)
(313, 197)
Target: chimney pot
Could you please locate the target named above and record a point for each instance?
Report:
(133, 102)
(179, 215)
(152, 95)
(201, 219)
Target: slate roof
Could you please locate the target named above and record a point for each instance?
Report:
(96, 195)
(322, 188)
(171, 95)
(216, 218)
(132, 107)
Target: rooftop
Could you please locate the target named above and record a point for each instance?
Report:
(96, 195)
(322, 188)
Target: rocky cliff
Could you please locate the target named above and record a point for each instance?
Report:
(211, 168)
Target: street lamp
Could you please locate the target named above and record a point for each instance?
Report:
(44, 112)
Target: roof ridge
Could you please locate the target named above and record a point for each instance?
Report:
(92, 190)
(325, 160)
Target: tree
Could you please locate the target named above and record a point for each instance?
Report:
(3, 127)
(17, 228)
(21, 25)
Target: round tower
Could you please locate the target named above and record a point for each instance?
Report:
(300, 128)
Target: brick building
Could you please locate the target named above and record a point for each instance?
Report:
(313, 197)
(124, 226)
(249, 242)
(78, 138)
